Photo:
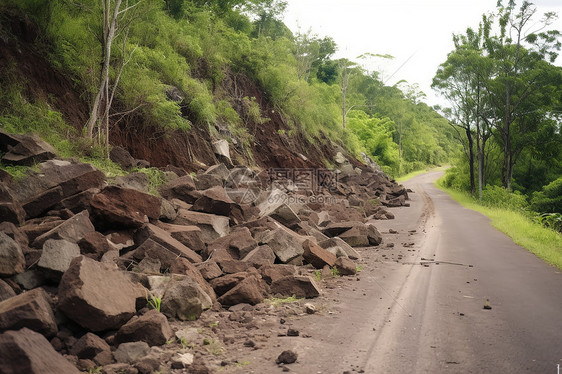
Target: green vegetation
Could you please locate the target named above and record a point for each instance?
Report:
(275, 301)
(515, 222)
(506, 107)
(409, 176)
(180, 64)
(154, 302)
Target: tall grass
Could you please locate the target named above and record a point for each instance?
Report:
(545, 243)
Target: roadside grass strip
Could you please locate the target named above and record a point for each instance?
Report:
(545, 243)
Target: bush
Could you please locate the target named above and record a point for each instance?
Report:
(499, 197)
(549, 199)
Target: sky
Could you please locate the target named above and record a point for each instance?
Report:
(418, 33)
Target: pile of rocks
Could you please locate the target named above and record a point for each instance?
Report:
(84, 261)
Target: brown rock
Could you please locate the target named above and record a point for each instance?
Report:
(209, 270)
(121, 156)
(181, 188)
(214, 201)
(300, 286)
(190, 236)
(121, 207)
(15, 233)
(224, 284)
(12, 260)
(29, 150)
(317, 256)
(249, 291)
(163, 238)
(38, 226)
(10, 209)
(6, 291)
(30, 309)
(89, 346)
(25, 351)
(151, 328)
(262, 255)
(272, 273)
(96, 296)
(94, 245)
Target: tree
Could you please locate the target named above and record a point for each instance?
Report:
(103, 99)
(521, 77)
(460, 80)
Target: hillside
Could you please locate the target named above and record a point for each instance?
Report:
(190, 78)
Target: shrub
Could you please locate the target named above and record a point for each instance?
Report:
(499, 197)
(549, 199)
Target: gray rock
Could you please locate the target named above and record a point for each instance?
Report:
(57, 256)
(73, 230)
(212, 226)
(131, 352)
(184, 299)
(285, 246)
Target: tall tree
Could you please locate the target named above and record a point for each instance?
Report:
(519, 52)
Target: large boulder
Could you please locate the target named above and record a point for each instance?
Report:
(55, 181)
(12, 260)
(29, 150)
(96, 296)
(30, 309)
(212, 226)
(25, 351)
(72, 230)
(121, 207)
(151, 328)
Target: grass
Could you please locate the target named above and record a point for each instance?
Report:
(545, 243)
(275, 301)
(412, 174)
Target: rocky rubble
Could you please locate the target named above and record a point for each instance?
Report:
(85, 261)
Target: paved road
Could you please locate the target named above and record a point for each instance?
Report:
(404, 317)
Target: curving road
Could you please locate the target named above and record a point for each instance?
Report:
(421, 309)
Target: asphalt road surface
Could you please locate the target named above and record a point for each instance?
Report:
(421, 309)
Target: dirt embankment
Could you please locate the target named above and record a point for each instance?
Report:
(265, 145)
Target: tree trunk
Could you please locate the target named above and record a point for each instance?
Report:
(109, 27)
(471, 160)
